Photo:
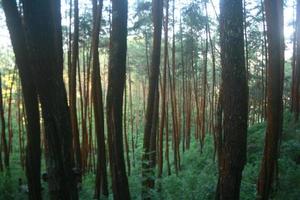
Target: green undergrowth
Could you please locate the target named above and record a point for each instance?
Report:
(198, 175)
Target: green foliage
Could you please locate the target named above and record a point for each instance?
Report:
(198, 176)
(6, 186)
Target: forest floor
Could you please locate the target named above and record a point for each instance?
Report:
(198, 176)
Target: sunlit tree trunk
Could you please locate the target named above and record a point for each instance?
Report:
(274, 19)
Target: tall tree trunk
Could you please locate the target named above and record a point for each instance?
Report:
(235, 100)
(101, 185)
(33, 153)
(126, 145)
(9, 118)
(131, 118)
(266, 57)
(152, 101)
(176, 125)
(46, 53)
(167, 138)
(3, 128)
(274, 18)
(297, 66)
(203, 128)
(183, 87)
(163, 101)
(73, 91)
(293, 64)
(84, 134)
(213, 96)
(114, 100)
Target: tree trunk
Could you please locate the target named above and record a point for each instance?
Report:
(203, 127)
(126, 145)
(131, 118)
(72, 85)
(33, 153)
(46, 53)
(274, 18)
(3, 129)
(9, 118)
(152, 104)
(297, 66)
(235, 100)
(101, 185)
(114, 100)
(163, 101)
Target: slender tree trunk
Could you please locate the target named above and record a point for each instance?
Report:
(9, 119)
(293, 64)
(213, 96)
(176, 125)
(131, 118)
(266, 57)
(126, 145)
(3, 128)
(101, 185)
(203, 128)
(297, 66)
(163, 101)
(183, 88)
(152, 101)
(114, 100)
(84, 134)
(73, 91)
(274, 18)
(167, 137)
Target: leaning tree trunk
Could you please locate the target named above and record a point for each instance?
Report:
(101, 186)
(33, 154)
(235, 100)
(274, 18)
(114, 99)
(152, 101)
(43, 20)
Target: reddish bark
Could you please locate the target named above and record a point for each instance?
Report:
(114, 100)
(274, 18)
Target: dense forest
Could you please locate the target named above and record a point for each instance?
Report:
(150, 99)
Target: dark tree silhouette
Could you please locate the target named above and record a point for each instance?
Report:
(114, 99)
(33, 153)
(232, 155)
(43, 25)
(101, 187)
